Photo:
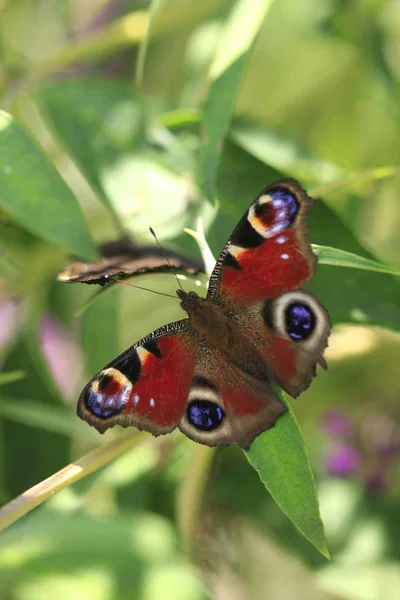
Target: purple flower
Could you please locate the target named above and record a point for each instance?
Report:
(380, 433)
(377, 482)
(344, 460)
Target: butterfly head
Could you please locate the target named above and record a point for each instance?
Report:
(190, 301)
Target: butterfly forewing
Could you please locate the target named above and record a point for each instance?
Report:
(257, 280)
(147, 386)
(269, 252)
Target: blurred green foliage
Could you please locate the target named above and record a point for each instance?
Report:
(121, 115)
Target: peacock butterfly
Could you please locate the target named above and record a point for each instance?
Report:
(211, 373)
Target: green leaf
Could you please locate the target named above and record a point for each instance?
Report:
(99, 329)
(47, 449)
(283, 153)
(226, 75)
(99, 122)
(11, 377)
(34, 194)
(130, 164)
(153, 11)
(29, 412)
(360, 296)
(280, 458)
(132, 551)
(340, 258)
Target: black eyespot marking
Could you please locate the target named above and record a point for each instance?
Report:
(152, 346)
(246, 236)
(204, 415)
(300, 321)
(199, 381)
(230, 261)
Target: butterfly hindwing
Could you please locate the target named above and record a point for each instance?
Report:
(225, 405)
(289, 332)
(147, 386)
(269, 252)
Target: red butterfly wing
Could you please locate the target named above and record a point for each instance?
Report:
(269, 252)
(256, 281)
(147, 386)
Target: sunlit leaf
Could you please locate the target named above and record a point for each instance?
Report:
(35, 195)
(280, 457)
(97, 121)
(283, 153)
(104, 125)
(11, 377)
(154, 9)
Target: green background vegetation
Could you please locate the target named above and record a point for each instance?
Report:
(126, 115)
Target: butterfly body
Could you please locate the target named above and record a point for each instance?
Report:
(218, 328)
(212, 374)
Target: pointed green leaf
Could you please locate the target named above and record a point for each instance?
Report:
(280, 458)
(340, 258)
(154, 10)
(226, 75)
(35, 195)
(60, 420)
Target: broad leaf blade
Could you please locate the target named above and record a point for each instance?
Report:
(106, 128)
(35, 195)
(99, 122)
(280, 458)
(283, 153)
(226, 75)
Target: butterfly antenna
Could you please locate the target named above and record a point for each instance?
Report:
(139, 287)
(166, 257)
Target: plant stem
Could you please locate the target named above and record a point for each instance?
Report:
(44, 490)
(191, 492)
